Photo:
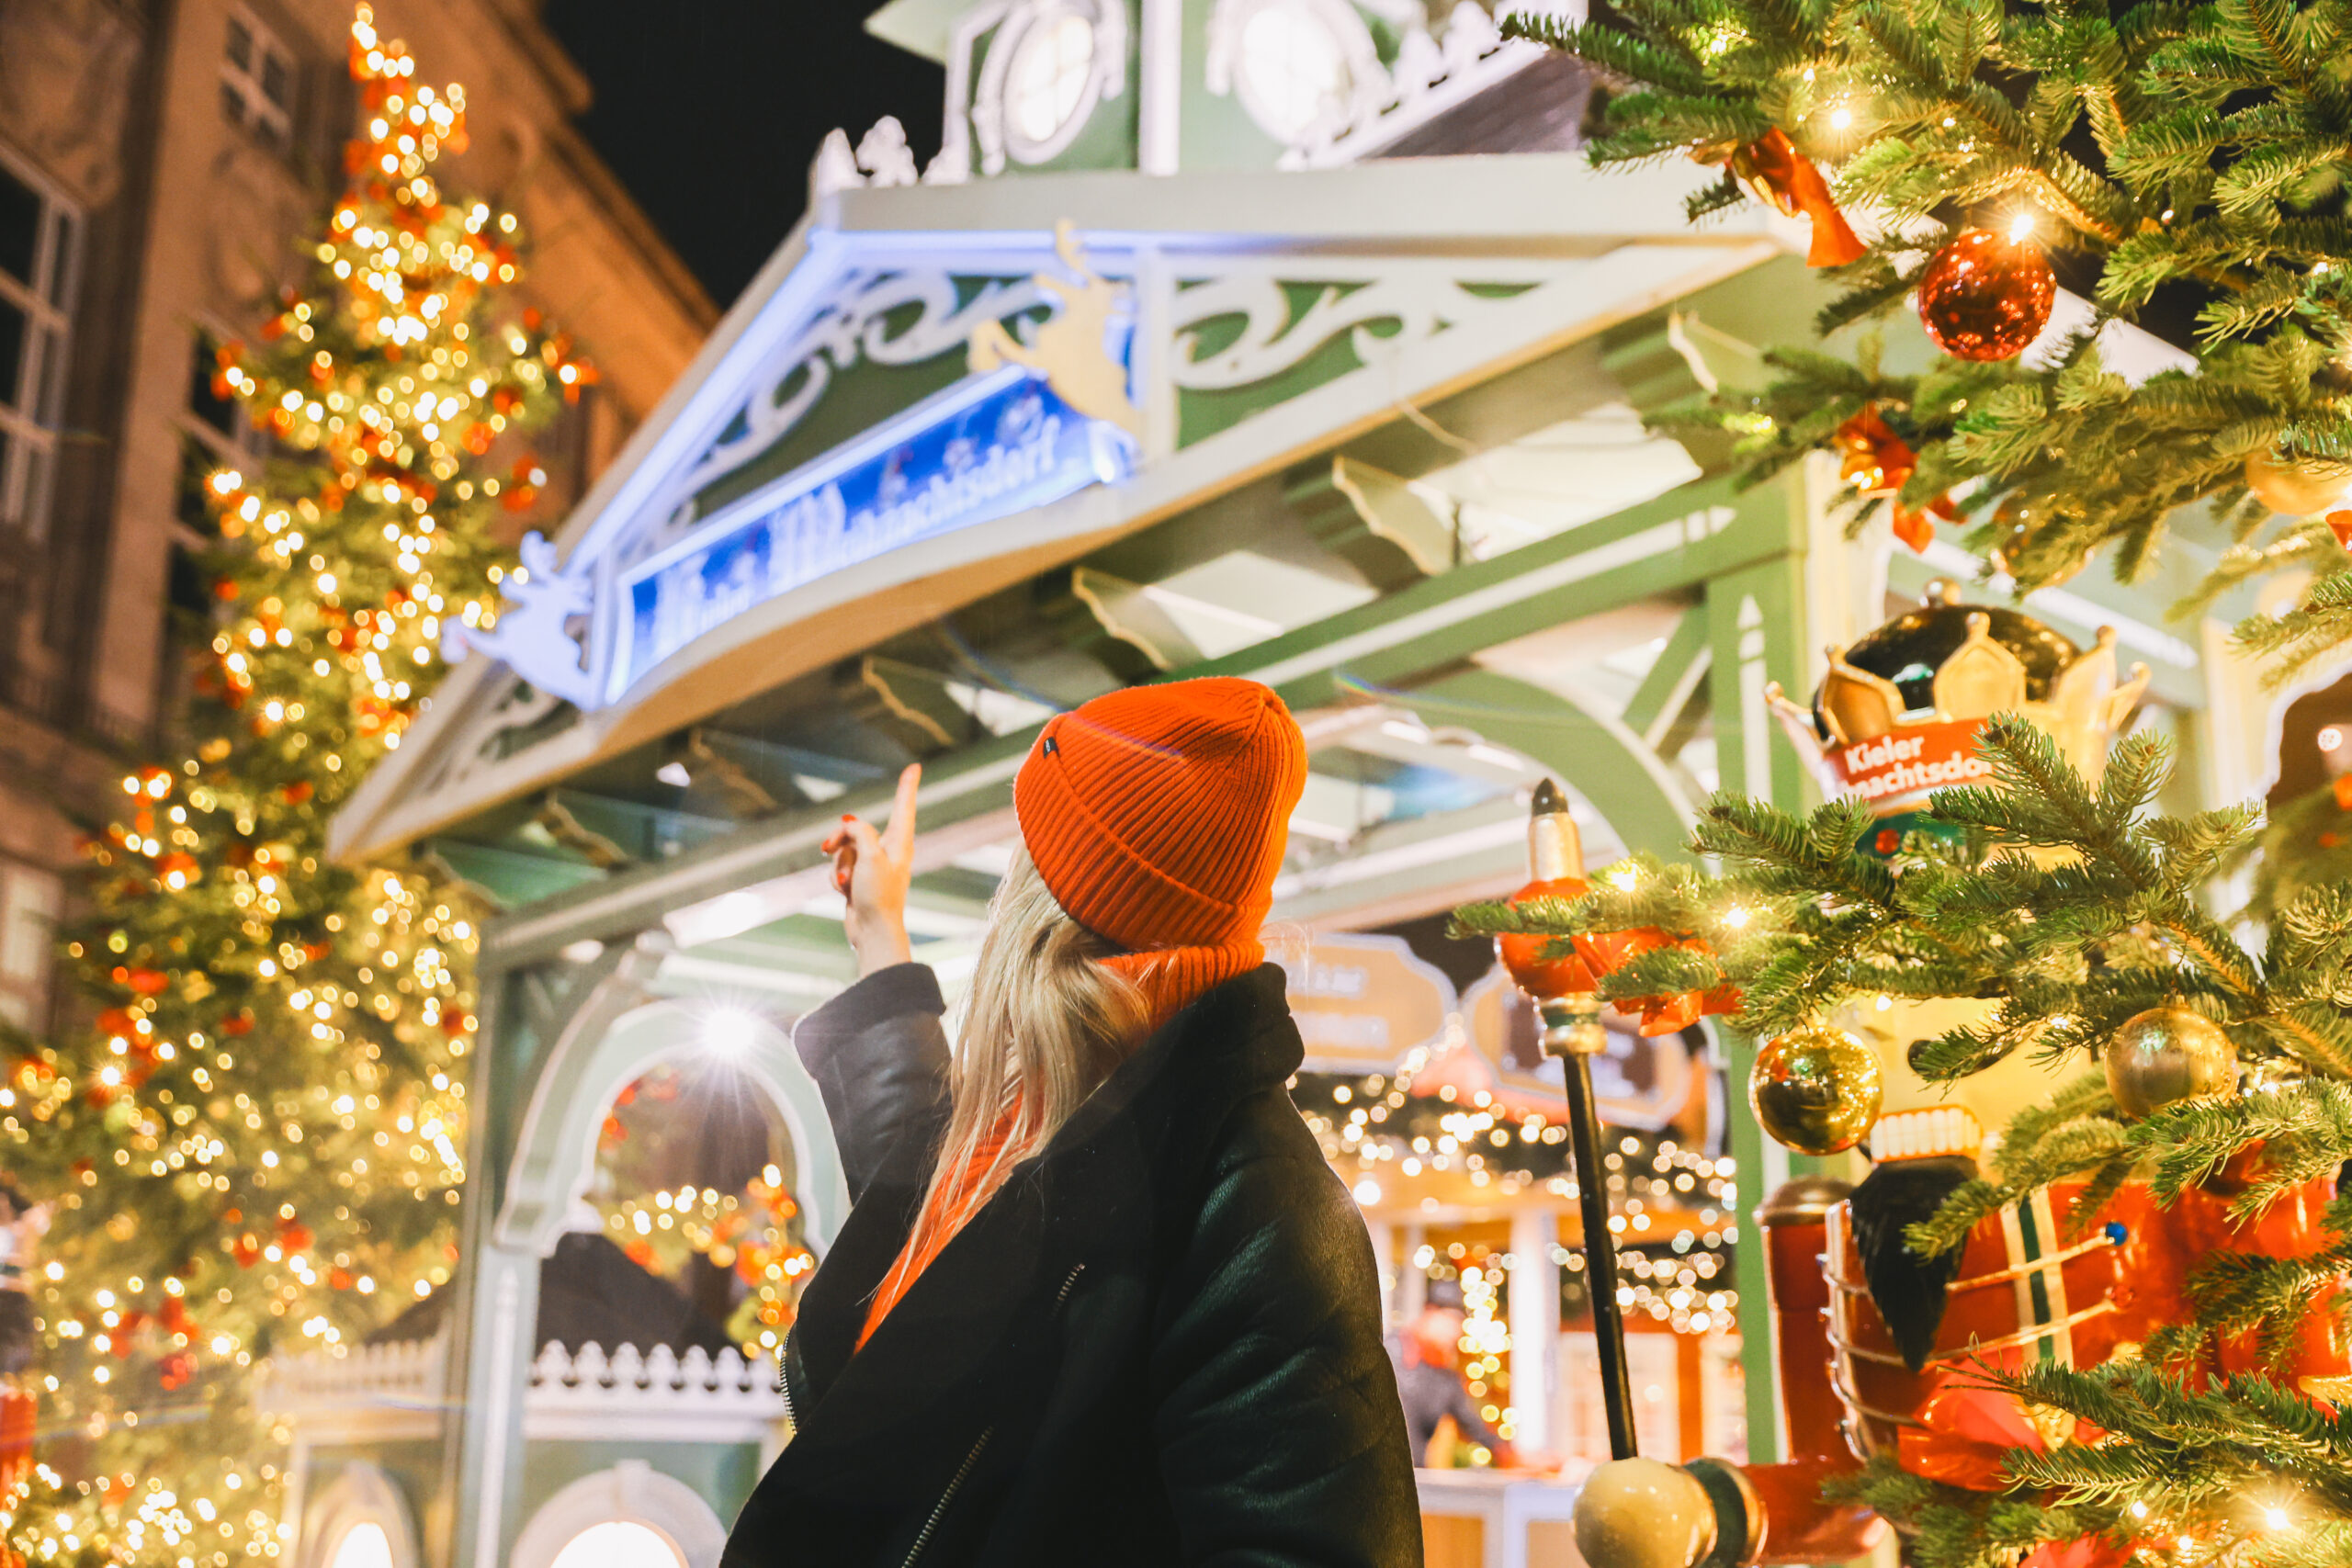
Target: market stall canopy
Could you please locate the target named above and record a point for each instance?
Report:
(932, 392)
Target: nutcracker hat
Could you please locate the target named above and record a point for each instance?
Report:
(1156, 814)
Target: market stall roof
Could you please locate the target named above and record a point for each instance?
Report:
(1254, 319)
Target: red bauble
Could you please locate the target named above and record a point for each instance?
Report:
(1565, 975)
(1985, 295)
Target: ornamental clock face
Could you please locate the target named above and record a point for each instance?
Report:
(1048, 65)
(1294, 64)
(1048, 81)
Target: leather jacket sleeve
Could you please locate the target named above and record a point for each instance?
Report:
(880, 1056)
(1281, 1442)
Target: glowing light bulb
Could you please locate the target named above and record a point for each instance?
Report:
(730, 1032)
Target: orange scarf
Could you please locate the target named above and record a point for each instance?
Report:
(1169, 980)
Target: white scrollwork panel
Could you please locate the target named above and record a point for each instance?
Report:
(857, 325)
(1275, 336)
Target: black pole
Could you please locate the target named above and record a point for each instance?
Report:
(1600, 1251)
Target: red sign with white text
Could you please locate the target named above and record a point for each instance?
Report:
(1903, 766)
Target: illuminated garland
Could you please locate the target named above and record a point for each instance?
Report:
(751, 1234)
(1373, 1127)
(257, 1150)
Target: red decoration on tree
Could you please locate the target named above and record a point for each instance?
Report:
(1986, 296)
(1786, 179)
(1879, 463)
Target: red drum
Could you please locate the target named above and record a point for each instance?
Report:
(2024, 1293)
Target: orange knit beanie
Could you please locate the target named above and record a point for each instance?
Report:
(1156, 814)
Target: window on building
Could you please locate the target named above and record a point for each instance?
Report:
(364, 1545)
(207, 400)
(29, 900)
(257, 81)
(216, 433)
(1047, 84)
(38, 237)
(619, 1543)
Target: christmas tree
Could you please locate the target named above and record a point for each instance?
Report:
(2181, 167)
(255, 1150)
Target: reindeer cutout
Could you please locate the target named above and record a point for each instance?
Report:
(533, 637)
(1069, 352)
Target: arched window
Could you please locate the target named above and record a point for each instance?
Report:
(358, 1519)
(364, 1545)
(693, 1182)
(631, 1516)
(619, 1543)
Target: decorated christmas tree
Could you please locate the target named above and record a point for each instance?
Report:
(253, 1149)
(2109, 1325)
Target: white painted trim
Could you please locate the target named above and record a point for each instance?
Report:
(632, 1492)
(1160, 58)
(555, 1151)
(658, 1396)
(968, 563)
(359, 1494)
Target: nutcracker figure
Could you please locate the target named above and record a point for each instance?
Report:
(1877, 1348)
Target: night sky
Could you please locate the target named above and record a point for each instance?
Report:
(710, 111)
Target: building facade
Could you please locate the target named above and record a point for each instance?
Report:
(1290, 339)
(161, 164)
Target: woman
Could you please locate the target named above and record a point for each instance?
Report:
(1098, 1299)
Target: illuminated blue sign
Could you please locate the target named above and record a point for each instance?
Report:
(994, 445)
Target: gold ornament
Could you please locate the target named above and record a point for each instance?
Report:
(1815, 1089)
(2167, 1054)
(1644, 1513)
(2298, 487)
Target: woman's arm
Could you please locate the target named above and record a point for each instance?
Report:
(877, 1050)
(879, 1057)
(1281, 1442)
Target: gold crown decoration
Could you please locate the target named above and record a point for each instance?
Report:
(1896, 719)
(1897, 714)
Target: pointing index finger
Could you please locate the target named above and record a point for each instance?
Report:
(898, 840)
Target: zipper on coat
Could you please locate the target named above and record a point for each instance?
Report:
(939, 1509)
(784, 1379)
(956, 1483)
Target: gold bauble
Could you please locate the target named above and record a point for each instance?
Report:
(1644, 1513)
(1814, 1088)
(2167, 1054)
(2298, 487)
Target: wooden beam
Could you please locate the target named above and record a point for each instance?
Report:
(1672, 680)
(1673, 544)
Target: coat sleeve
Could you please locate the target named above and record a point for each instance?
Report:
(880, 1056)
(1281, 1442)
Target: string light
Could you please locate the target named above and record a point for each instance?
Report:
(754, 1233)
(257, 1148)
(1680, 1206)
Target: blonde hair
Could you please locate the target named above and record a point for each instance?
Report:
(1045, 1023)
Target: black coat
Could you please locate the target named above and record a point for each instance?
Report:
(1158, 1343)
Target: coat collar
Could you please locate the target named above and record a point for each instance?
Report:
(1094, 1190)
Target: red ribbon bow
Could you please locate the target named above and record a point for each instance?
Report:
(1878, 462)
(1785, 179)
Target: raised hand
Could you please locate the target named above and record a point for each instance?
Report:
(872, 870)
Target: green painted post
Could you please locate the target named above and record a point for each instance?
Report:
(1757, 628)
